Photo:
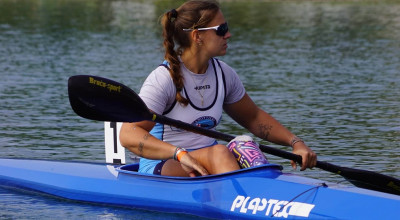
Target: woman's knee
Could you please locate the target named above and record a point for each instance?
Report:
(224, 158)
(216, 159)
(222, 150)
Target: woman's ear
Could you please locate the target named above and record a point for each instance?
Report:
(197, 37)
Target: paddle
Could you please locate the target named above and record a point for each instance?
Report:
(101, 99)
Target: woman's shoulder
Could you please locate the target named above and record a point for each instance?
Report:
(159, 77)
(225, 67)
(160, 72)
(222, 63)
(158, 90)
(234, 86)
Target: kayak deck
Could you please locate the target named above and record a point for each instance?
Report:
(257, 192)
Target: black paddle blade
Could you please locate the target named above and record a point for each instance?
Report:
(101, 99)
(364, 178)
(370, 180)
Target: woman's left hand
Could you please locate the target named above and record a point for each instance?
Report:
(309, 158)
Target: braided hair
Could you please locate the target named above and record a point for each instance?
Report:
(192, 14)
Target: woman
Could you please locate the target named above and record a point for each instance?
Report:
(194, 87)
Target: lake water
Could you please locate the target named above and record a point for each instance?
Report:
(329, 71)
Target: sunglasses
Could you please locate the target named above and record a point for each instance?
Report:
(220, 30)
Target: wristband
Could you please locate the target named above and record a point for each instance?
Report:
(180, 155)
(179, 152)
(295, 140)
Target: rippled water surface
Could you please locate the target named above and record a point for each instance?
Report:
(329, 71)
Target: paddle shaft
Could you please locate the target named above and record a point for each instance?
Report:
(102, 99)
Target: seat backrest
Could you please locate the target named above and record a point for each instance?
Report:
(115, 152)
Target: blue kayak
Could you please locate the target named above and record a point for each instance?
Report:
(257, 192)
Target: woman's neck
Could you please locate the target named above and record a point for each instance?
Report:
(195, 61)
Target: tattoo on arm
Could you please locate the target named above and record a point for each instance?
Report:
(264, 130)
(141, 144)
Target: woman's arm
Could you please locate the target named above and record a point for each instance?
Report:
(264, 126)
(137, 139)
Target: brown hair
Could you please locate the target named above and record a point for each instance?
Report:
(192, 14)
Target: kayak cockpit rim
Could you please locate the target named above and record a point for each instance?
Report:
(271, 170)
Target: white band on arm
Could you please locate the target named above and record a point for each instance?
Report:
(295, 140)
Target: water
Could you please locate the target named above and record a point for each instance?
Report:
(329, 71)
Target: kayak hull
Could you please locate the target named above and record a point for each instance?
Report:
(258, 192)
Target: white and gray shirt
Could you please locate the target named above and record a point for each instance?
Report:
(207, 93)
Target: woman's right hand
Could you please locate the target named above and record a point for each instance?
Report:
(191, 166)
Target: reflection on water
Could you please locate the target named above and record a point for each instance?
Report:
(18, 204)
(329, 71)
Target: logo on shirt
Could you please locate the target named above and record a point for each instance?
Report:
(198, 88)
(207, 122)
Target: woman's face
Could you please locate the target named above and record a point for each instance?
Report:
(212, 43)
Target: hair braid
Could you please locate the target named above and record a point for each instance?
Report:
(172, 56)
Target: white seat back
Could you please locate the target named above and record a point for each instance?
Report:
(115, 152)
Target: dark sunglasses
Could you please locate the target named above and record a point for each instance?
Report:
(220, 30)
